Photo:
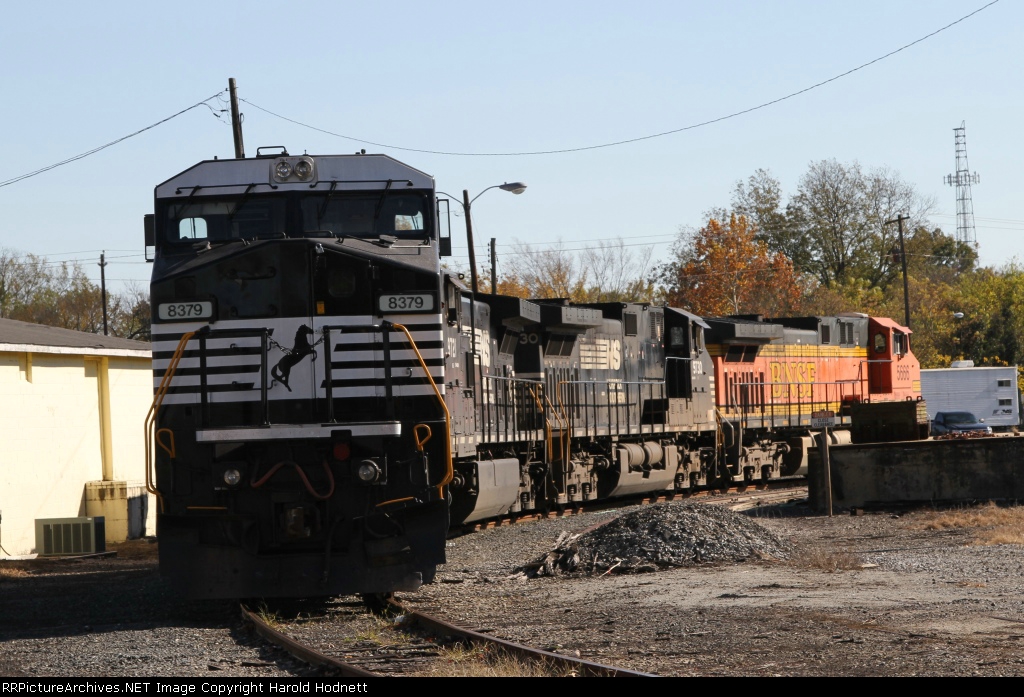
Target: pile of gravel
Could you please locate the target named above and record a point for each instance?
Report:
(660, 536)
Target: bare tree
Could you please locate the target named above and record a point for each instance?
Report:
(607, 271)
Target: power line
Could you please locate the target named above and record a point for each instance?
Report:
(14, 180)
(640, 138)
(554, 245)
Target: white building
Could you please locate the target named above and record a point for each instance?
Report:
(72, 409)
(990, 393)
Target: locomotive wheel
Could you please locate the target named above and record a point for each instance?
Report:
(377, 603)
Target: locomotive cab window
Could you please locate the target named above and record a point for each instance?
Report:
(221, 220)
(880, 343)
(899, 343)
(398, 214)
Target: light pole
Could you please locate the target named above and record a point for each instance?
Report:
(467, 205)
(959, 317)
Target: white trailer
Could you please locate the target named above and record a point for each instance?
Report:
(989, 393)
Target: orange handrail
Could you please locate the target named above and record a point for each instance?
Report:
(450, 471)
(158, 400)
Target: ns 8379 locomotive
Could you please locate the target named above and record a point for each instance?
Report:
(329, 401)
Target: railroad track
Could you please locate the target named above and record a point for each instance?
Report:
(345, 638)
(407, 643)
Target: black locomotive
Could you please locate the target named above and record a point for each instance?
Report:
(329, 401)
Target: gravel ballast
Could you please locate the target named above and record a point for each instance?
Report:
(780, 591)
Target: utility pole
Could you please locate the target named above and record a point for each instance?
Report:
(103, 288)
(494, 269)
(903, 259)
(236, 120)
(466, 203)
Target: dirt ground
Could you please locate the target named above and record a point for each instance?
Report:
(872, 595)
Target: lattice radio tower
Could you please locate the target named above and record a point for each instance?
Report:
(962, 180)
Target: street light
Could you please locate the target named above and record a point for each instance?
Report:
(959, 316)
(467, 204)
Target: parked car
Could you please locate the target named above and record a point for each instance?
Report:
(958, 422)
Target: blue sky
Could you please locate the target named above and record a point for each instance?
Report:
(509, 77)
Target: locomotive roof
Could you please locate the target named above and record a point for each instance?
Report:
(351, 172)
(699, 321)
(740, 330)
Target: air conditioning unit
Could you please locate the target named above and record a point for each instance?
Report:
(70, 536)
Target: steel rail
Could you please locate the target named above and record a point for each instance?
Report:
(299, 651)
(576, 666)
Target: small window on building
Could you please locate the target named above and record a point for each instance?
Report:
(1006, 402)
(1003, 383)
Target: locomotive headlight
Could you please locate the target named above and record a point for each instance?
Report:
(368, 471)
(282, 170)
(232, 477)
(303, 169)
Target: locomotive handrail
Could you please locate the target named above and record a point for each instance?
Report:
(385, 331)
(420, 442)
(617, 405)
(205, 335)
(504, 401)
(563, 426)
(800, 402)
(158, 400)
(450, 471)
(386, 343)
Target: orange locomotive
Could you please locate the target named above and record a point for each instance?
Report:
(774, 377)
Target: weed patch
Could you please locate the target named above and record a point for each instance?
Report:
(827, 560)
(990, 524)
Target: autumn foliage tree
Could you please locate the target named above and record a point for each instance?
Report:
(722, 269)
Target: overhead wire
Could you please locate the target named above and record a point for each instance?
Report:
(638, 138)
(87, 153)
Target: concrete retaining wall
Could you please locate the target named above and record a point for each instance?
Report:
(921, 471)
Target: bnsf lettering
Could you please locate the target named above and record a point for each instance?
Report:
(793, 379)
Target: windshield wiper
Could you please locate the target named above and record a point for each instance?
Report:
(188, 202)
(231, 215)
(323, 208)
(380, 205)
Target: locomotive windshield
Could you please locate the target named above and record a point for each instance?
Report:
(365, 216)
(208, 219)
